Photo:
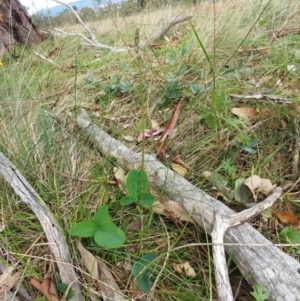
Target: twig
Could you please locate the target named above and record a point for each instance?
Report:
(91, 39)
(47, 60)
(222, 224)
(263, 96)
(167, 27)
(55, 237)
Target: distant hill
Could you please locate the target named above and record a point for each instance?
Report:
(79, 4)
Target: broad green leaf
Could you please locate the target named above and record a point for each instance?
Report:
(142, 263)
(146, 199)
(62, 287)
(242, 193)
(83, 229)
(136, 182)
(290, 235)
(196, 89)
(109, 236)
(101, 215)
(127, 200)
(144, 283)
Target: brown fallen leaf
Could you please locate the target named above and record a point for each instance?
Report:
(257, 184)
(287, 217)
(89, 260)
(245, 112)
(161, 148)
(155, 125)
(128, 138)
(171, 122)
(166, 207)
(178, 160)
(134, 226)
(7, 281)
(46, 287)
(184, 269)
(120, 177)
(98, 269)
(179, 169)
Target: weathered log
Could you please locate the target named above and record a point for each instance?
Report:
(16, 27)
(256, 257)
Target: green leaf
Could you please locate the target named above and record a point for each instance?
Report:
(62, 287)
(144, 283)
(109, 236)
(146, 199)
(101, 215)
(127, 200)
(136, 182)
(142, 263)
(259, 293)
(290, 235)
(184, 50)
(242, 193)
(195, 88)
(83, 229)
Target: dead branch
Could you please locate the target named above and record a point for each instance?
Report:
(222, 224)
(167, 27)
(91, 39)
(262, 96)
(55, 237)
(273, 269)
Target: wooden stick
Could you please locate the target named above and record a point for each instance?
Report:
(268, 268)
(55, 237)
(222, 224)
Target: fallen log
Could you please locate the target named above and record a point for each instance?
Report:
(256, 257)
(56, 240)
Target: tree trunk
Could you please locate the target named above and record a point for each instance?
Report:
(16, 26)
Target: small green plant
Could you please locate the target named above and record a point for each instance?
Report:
(228, 167)
(106, 234)
(62, 288)
(172, 91)
(118, 85)
(143, 271)
(136, 185)
(259, 294)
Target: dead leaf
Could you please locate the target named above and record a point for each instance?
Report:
(89, 260)
(98, 269)
(184, 269)
(120, 177)
(8, 280)
(166, 207)
(245, 112)
(287, 217)
(134, 226)
(46, 287)
(257, 184)
(128, 138)
(155, 125)
(179, 169)
(170, 126)
(178, 160)
(161, 148)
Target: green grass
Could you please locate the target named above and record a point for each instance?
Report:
(52, 153)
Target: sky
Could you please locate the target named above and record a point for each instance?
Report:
(35, 5)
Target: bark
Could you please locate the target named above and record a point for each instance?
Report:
(257, 258)
(16, 26)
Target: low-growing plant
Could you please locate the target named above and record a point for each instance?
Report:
(136, 185)
(259, 294)
(105, 233)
